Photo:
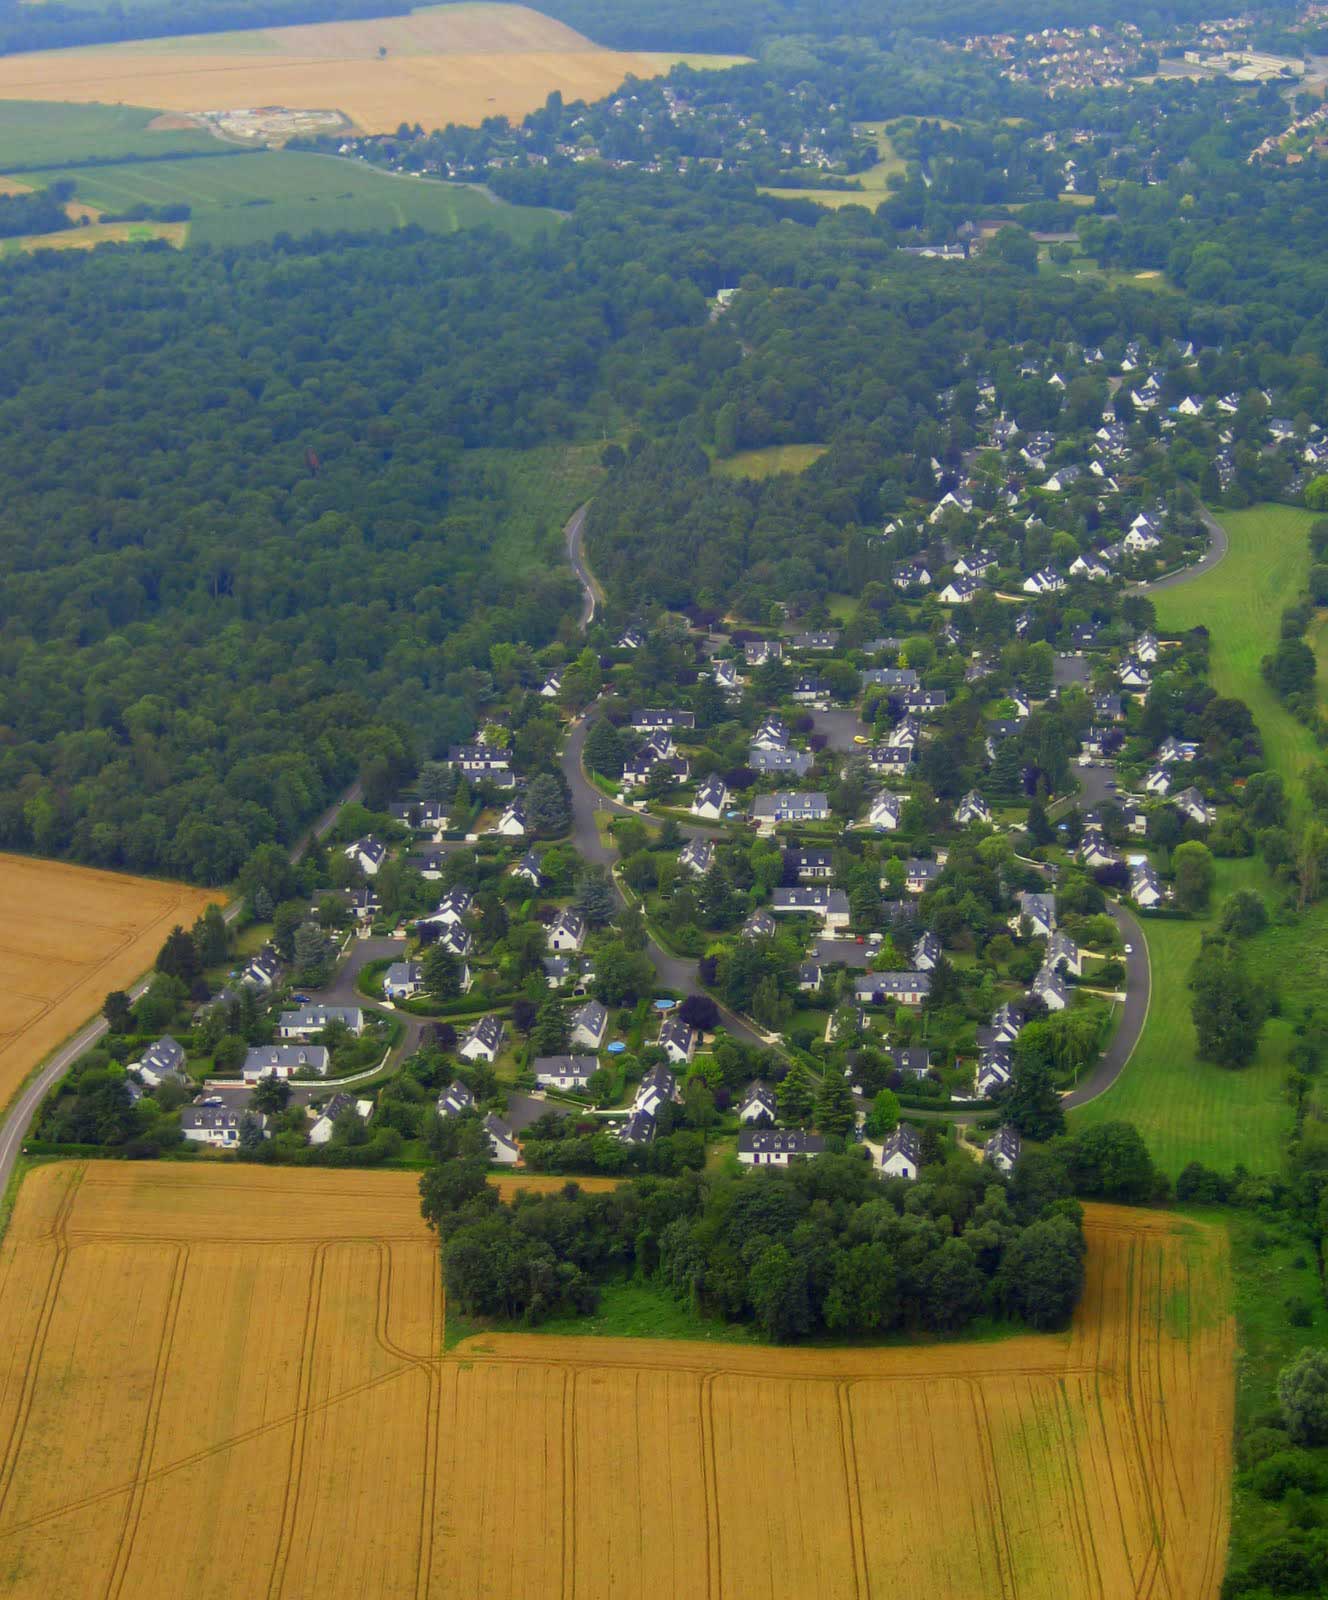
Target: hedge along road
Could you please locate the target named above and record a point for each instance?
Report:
(28, 1101)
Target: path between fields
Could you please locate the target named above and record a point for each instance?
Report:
(28, 1101)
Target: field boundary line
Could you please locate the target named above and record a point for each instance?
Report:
(32, 1365)
(299, 1432)
(432, 1434)
(570, 1375)
(710, 1485)
(204, 1454)
(991, 1489)
(151, 1421)
(848, 1454)
(1073, 1469)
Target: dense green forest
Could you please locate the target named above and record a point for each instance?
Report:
(749, 25)
(819, 1248)
(246, 554)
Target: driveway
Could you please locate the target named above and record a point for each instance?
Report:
(839, 727)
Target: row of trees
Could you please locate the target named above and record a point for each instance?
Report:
(822, 1247)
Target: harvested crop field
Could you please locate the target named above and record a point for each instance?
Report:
(71, 934)
(444, 64)
(226, 1381)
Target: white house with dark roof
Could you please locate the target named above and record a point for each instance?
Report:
(1004, 1147)
(885, 811)
(638, 1129)
(895, 679)
(588, 1024)
(809, 977)
(812, 899)
(797, 763)
(657, 1087)
(678, 1040)
(529, 868)
(325, 1121)
(1145, 886)
(892, 988)
(453, 907)
(483, 1040)
(455, 1099)
(1193, 807)
(790, 805)
(972, 808)
(712, 798)
(924, 702)
(760, 925)
(995, 1065)
(1049, 987)
(920, 874)
(697, 856)
(312, 1019)
(503, 1147)
(811, 866)
(263, 969)
(484, 761)
(161, 1060)
(901, 1154)
(773, 734)
(403, 979)
(1038, 912)
(284, 1061)
(927, 952)
(756, 652)
(959, 591)
(663, 720)
(776, 1147)
(215, 1122)
(368, 854)
(1061, 948)
(512, 823)
(822, 640)
(564, 1072)
(758, 1103)
(567, 932)
(1157, 780)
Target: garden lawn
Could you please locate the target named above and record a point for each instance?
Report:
(1187, 1109)
(1240, 601)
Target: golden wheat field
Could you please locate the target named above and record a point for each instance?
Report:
(457, 63)
(227, 1382)
(68, 935)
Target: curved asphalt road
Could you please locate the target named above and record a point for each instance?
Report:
(28, 1101)
(575, 535)
(1218, 545)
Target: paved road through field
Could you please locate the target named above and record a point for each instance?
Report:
(28, 1100)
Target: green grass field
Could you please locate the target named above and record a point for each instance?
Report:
(1187, 1109)
(873, 179)
(248, 198)
(766, 463)
(35, 133)
(1240, 602)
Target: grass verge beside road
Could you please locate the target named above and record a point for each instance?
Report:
(1187, 1109)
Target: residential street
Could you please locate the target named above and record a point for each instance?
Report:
(1218, 545)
